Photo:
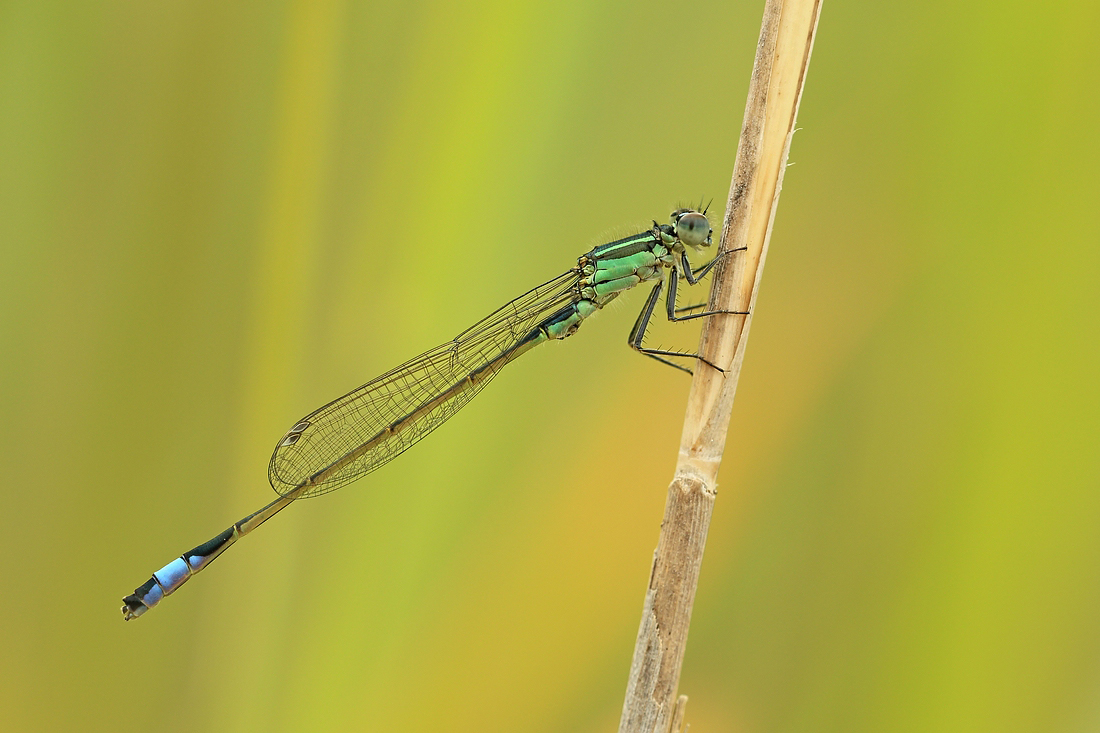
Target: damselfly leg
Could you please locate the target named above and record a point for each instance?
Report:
(641, 326)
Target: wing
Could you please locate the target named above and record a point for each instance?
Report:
(375, 423)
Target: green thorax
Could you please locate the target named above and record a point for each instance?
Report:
(617, 266)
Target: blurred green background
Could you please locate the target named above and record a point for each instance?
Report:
(215, 216)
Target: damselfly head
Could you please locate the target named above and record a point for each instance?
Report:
(692, 228)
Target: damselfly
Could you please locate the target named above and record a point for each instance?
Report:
(370, 426)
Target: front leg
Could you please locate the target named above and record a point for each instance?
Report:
(670, 301)
(694, 276)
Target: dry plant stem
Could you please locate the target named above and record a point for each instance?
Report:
(677, 724)
(782, 57)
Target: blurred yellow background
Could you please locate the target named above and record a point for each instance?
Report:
(215, 217)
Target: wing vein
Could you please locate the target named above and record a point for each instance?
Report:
(373, 424)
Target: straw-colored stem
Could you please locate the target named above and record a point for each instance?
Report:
(782, 57)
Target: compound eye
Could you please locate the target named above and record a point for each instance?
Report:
(693, 229)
